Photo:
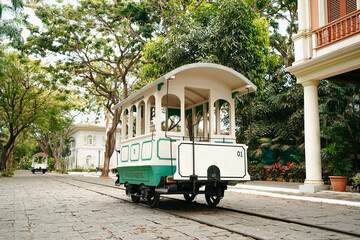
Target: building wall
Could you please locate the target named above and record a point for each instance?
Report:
(86, 153)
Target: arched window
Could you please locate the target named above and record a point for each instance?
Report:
(126, 124)
(222, 117)
(88, 160)
(142, 117)
(151, 112)
(89, 140)
(133, 112)
(171, 115)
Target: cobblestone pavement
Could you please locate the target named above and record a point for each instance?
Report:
(327, 215)
(46, 207)
(39, 207)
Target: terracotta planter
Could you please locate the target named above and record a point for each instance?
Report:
(338, 183)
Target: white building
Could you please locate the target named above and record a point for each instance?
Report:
(327, 47)
(88, 147)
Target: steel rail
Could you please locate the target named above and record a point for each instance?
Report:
(243, 212)
(168, 212)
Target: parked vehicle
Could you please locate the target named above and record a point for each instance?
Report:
(178, 135)
(39, 163)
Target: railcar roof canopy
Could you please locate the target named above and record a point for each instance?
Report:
(237, 82)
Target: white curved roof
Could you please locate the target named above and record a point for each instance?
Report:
(235, 80)
(40, 155)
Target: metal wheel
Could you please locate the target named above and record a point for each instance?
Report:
(135, 198)
(189, 197)
(212, 195)
(153, 199)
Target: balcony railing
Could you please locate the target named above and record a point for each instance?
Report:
(337, 30)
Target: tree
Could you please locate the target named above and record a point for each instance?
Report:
(340, 115)
(226, 32)
(52, 128)
(23, 97)
(102, 42)
(10, 28)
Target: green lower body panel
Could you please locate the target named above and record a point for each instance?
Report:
(148, 175)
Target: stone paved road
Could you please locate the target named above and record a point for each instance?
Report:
(39, 207)
(328, 215)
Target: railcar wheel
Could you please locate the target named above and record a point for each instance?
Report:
(135, 198)
(153, 200)
(189, 197)
(212, 195)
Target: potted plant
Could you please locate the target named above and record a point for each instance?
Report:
(338, 166)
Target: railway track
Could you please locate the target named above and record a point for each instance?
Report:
(335, 233)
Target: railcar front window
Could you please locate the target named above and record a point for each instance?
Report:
(222, 117)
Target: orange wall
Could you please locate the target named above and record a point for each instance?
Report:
(314, 9)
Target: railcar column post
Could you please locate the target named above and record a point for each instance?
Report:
(313, 182)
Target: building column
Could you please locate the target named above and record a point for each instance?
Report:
(313, 182)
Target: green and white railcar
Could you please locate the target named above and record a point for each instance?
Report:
(178, 135)
(39, 163)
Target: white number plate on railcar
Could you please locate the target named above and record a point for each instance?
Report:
(231, 159)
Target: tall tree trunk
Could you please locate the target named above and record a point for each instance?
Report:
(110, 143)
(6, 151)
(56, 148)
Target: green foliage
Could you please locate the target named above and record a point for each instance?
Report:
(226, 32)
(277, 172)
(9, 172)
(356, 180)
(25, 163)
(78, 169)
(336, 160)
(51, 164)
(24, 90)
(257, 171)
(12, 28)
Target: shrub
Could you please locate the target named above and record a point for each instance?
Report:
(296, 173)
(63, 171)
(257, 171)
(79, 169)
(8, 172)
(288, 172)
(51, 164)
(25, 164)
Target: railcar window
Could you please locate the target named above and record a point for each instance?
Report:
(142, 117)
(171, 115)
(202, 120)
(133, 116)
(126, 124)
(222, 117)
(151, 112)
(196, 110)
